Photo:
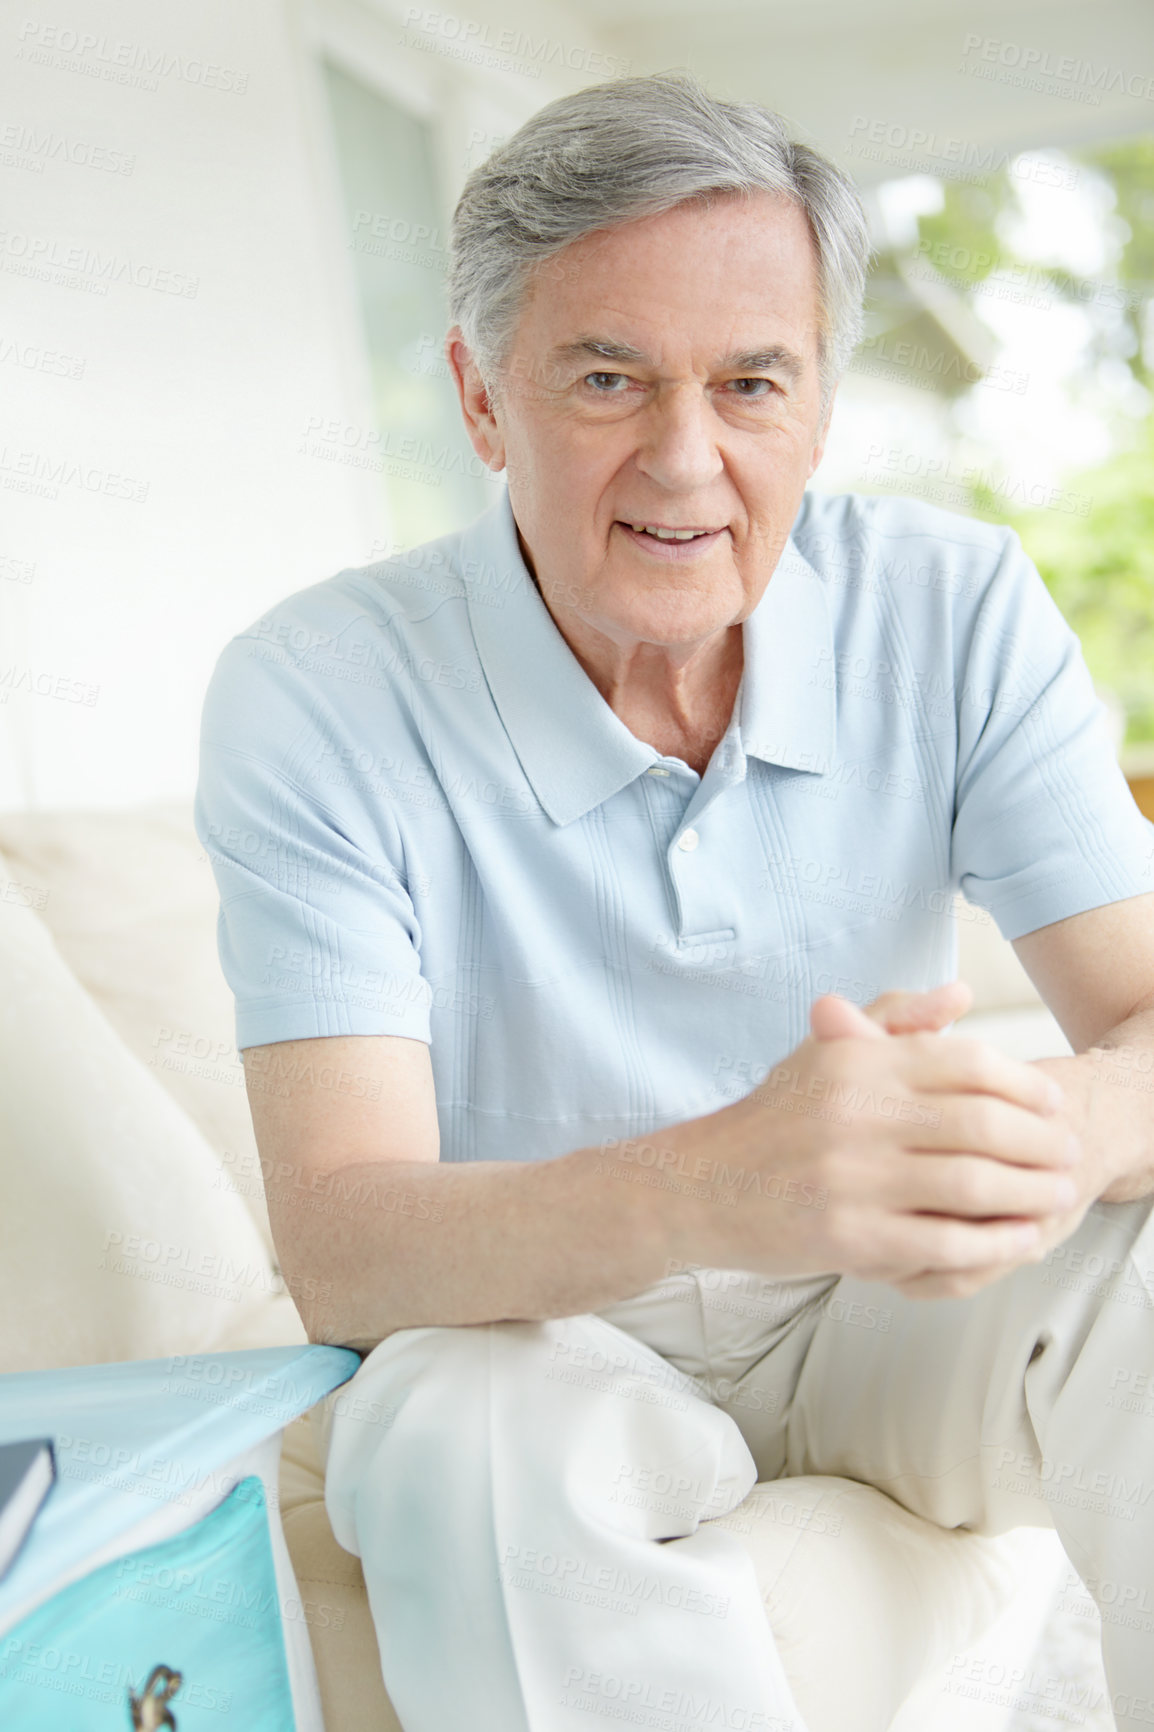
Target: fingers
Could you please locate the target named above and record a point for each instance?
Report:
(961, 1066)
(880, 1243)
(959, 1282)
(903, 1012)
(985, 1125)
(932, 1284)
(835, 1018)
(940, 1245)
(996, 1249)
(896, 1012)
(969, 1187)
(962, 1283)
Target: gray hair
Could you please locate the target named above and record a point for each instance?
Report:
(632, 148)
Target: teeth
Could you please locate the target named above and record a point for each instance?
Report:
(667, 534)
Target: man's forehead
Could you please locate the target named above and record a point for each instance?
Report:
(732, 283)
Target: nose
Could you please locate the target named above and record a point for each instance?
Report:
(678, 448)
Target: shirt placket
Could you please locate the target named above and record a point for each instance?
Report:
(698, 858)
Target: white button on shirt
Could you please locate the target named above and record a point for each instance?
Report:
(424, 819)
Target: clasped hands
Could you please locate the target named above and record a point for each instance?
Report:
(936, 1165)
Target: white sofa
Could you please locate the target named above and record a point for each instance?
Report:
(134, 1226)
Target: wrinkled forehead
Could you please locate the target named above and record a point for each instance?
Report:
(703, 284)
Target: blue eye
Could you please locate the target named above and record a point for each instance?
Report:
(606, 382)
(764, 386)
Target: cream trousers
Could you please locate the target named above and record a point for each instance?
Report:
(531, 1502)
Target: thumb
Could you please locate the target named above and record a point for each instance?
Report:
(900, 1012)
(834, 1018)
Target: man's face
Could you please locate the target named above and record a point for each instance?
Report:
(663, 375)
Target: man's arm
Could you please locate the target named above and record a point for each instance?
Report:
(374, 1233)
(1095, 971)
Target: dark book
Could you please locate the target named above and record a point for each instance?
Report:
(27, 1470)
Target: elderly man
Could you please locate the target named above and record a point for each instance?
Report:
(587, 883)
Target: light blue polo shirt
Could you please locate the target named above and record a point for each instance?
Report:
(424, 820)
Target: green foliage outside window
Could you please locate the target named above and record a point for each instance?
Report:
(1100, 570)
(1098, 558)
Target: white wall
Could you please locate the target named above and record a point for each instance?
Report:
(114, 604)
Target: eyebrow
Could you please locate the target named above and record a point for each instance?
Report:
(600, 348)
(775, 360)
(772, 360)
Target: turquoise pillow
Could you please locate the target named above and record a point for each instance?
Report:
(203, 1604)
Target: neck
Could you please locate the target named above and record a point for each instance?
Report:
(679, 701)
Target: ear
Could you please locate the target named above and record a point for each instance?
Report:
(481, 422)
(822, 433)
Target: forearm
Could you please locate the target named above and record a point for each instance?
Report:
(1109, 1093)
(389, 1245)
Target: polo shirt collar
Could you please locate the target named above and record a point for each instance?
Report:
(574, 750)
(788, 700)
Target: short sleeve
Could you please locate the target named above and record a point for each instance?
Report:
(316, 934)
(1045, 826)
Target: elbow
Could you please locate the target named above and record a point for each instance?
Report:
(327, 1321)
(318, 1305)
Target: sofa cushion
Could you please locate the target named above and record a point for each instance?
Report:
(866, 1601)
(119, 1236)
(131, 901)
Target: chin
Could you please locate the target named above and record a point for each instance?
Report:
(672, 624)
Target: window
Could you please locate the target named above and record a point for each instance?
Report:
(398, 233)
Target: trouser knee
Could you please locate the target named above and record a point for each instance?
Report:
(565, 1401)
(414, 1375)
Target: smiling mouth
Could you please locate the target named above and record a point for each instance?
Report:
(660, 533)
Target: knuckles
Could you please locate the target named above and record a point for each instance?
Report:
(971, 1188)
(841, 1238)
(973, 1063)
(978, 1122)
